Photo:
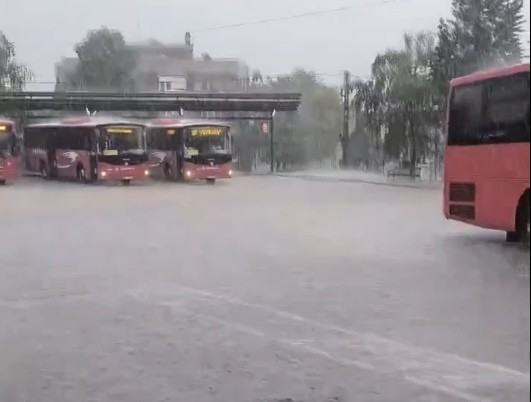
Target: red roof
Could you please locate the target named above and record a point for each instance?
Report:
(489, 74)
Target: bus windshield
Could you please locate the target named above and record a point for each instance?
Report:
(119, 139)
(207, 140)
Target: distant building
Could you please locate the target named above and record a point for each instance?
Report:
(173, 68)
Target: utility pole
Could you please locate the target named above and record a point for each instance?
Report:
(346, 92)
(272, 140)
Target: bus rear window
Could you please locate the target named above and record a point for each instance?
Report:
(466, 106)
(507, 109)
(491, 112)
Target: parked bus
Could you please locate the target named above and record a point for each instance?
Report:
(487, 153)
(189, 150)
(87, 149)
(8, 152)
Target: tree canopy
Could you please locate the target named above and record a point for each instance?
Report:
(480, 34)
(13, 75)
(105, 62)
(395, 107)
(310, 135)
(399, 110)
(314, 133)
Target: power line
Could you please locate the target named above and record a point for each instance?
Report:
(277, 19)
(288, 18)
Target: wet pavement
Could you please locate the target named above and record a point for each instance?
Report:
(358, 176)
(260, 289)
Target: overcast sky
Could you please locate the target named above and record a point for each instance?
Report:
(46, 30)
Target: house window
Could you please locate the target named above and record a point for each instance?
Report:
(164, 86)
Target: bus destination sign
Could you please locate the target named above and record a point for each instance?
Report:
(119, 130)
(207, 131)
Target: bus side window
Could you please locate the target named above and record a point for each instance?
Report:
(466, 110)
(51, 139)
(149, 139)
(61, 140)
(86, 139)
(28, 138)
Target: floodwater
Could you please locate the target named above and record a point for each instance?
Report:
(259, 289)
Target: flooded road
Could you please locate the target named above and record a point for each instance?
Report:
(259, 289)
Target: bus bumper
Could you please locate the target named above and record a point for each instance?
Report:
(8, 170)
(192, 172)
(108, 172)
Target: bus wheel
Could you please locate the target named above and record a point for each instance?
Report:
(126, 182)
(522, 221)
(512, 237)
(81, 175)
(521, 234)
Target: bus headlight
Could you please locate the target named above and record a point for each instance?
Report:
(230, 173)
(103, 174)
(188, 173)
(146, 172)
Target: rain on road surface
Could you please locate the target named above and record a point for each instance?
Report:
(260, 289)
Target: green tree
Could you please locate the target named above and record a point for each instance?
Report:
(312, 135)
(105, 62)
(481, 33)
(397, 103)
(13, 75)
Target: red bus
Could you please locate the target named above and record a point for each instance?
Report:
(486, 181)
(87, 149)
(189, 150)
(8, 152)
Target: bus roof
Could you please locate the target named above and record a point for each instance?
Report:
(6, 121)
(86, 121)
(490, 74)
(180, 123)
